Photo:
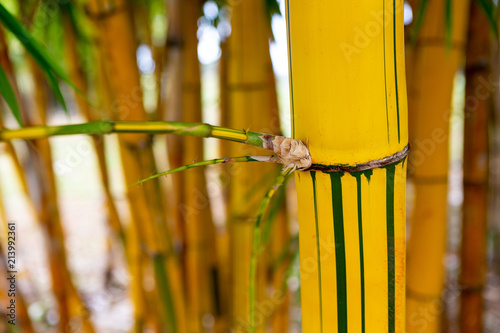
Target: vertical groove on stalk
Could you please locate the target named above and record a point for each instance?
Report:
(395, 65)
(385, 69)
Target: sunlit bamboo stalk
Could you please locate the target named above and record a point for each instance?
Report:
(69, 301)
(77, 77)
(476, 171)
(199, 251)
(246, 100)
(435, 66)
(118, 48)
(348, 100)
(172, 102)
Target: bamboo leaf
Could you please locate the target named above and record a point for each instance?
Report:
(264, 158)
(54, 85)
(256, 248)
(491, 12)
(274, 207)
(419, 19)
(273, 7)
(33, 46)
(10, 98)
(448, 23)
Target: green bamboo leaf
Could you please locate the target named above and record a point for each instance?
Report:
(273, 8)
(10, 98)
(264, 158)
(256, 245)
(54, 85)
(419, 19)
(33, 46)
(274, 207)
(287, 253)
(448, 23)
(491, 12)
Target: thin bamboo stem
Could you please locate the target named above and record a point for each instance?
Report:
(151, 127)
(258, 249)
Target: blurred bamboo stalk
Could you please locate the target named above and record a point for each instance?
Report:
(117, 46)
(435, 66)
(494, 212)
(171, 99)
(478, 97)
(77, 77)
(247, 97)
(21, 318)
(199, 246)
(280, 229)
(9, 70)
(44, 191)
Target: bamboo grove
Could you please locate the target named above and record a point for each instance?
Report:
(377, 212)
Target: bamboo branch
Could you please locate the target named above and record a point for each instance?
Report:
(294, 154)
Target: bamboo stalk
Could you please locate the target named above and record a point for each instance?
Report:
(118, 48)
(476, 171)
(245, 101)
(435, 66)
(200, 256)
(348, 99)
(173, 104)
(69, 301)
(77, 77)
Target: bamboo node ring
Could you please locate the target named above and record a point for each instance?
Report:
(374, 164)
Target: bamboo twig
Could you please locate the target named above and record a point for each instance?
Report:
(262, 158)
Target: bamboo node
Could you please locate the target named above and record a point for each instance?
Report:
(294, 154)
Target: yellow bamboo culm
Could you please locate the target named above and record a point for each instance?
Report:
(77, 77)
(195, 207)
(434, 70)
(148, 225)
(69, 301)
(247, 101)
(478, 96)
(348, 101)
(172, 101)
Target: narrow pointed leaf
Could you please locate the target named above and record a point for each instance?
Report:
(10, 98)
(264, 158)
(32, 45)
(54, 85)
(419, 19)
(491, 12)
(256, 248)
(448, 21)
